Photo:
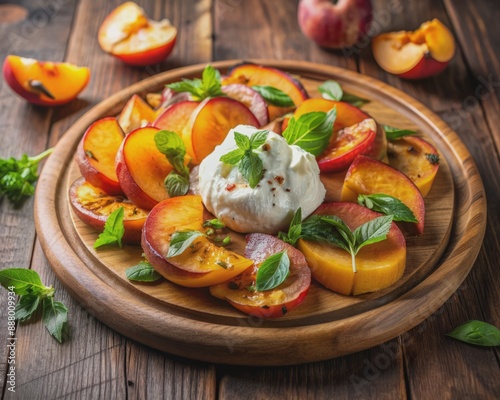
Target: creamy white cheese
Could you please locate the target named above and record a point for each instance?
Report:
(290, 180)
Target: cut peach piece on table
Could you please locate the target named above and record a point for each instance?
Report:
(44, 83)
(379, 265)
(210, 123)
(135, 114)
(252, 74)
(413, 55)
(93, 206)
(369, 176)
(142, 169)
(417, 159)
(176, 117)
(272, 303)
(96, 154)
(203, 264)
(128, 34)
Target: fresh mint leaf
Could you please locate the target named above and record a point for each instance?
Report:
(27, 305)
(311, 131)
(170, 144)
(477, 332)
(113, 230)
(242, 141)
(373, 231)
(176, 185)
(251, 168)
(17, 176)
(331, 90)
(55, 317)
(274, 96)
(142, 272)
(273, 271)
(233, 157)
(295, 229)
(208, 86)
(25, 281)
(388, 205)
(258, 139)
(392, 133)
(180, 241)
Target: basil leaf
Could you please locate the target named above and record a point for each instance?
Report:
(314, 228)
(477, 332)
(388, 205)
(25, 281)
(242, 141)
(258, 139)
(113, 229)
(392, 133)
(55, 317)
(311, 131)
(208, 86)
(295, 229)
(251, 167)
(356, 101)
(273, 271)
(176, 185)
(192, 86)
(233, 157)
(142, 272)
(274, 96)
(180, 241)
(372, 231)
(341, 227)
(170, 144)
(331, 90)
(26, 306)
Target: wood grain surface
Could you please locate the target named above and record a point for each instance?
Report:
(96, 362)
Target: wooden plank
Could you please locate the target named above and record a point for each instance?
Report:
(24, 31)
(436, 365)
(110, 366)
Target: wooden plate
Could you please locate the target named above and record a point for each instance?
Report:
(190, 323)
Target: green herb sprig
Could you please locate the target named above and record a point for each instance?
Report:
(477, 332)
(17, 176)
(171, 145)
(113, 230)
(388, 205)
(274, 96)
(331, 90)
(392, 133)
(208, 86)
(295, 229)
(248, 162)
(33, 294)
(182, 240)
(142, 272)
(272, 272)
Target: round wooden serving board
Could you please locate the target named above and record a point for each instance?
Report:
(191, 323)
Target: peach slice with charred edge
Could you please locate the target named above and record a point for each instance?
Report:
(142, 169)
(413, 55)
(176, 117)
(44, 83)
(135, 114)
(369, 176)
(252, 74)
(203, 264)
(96, 154)
(379, 265)
(210, 123)
(128, 34)
(417, 159)
(93, 206)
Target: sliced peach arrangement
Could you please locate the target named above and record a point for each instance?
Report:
(44, 83)
(128, 34)
(113, 161)
(418, 54)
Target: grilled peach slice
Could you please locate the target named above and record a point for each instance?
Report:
(369, 176)
(210, 123)
(417, 159)
(142, 169)
(252, 74)
(379, 265)
(175, 118)
(135, 114)
(96, 154)
(93, 206)
(203, 264)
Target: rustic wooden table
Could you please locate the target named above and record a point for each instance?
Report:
(96, 362)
